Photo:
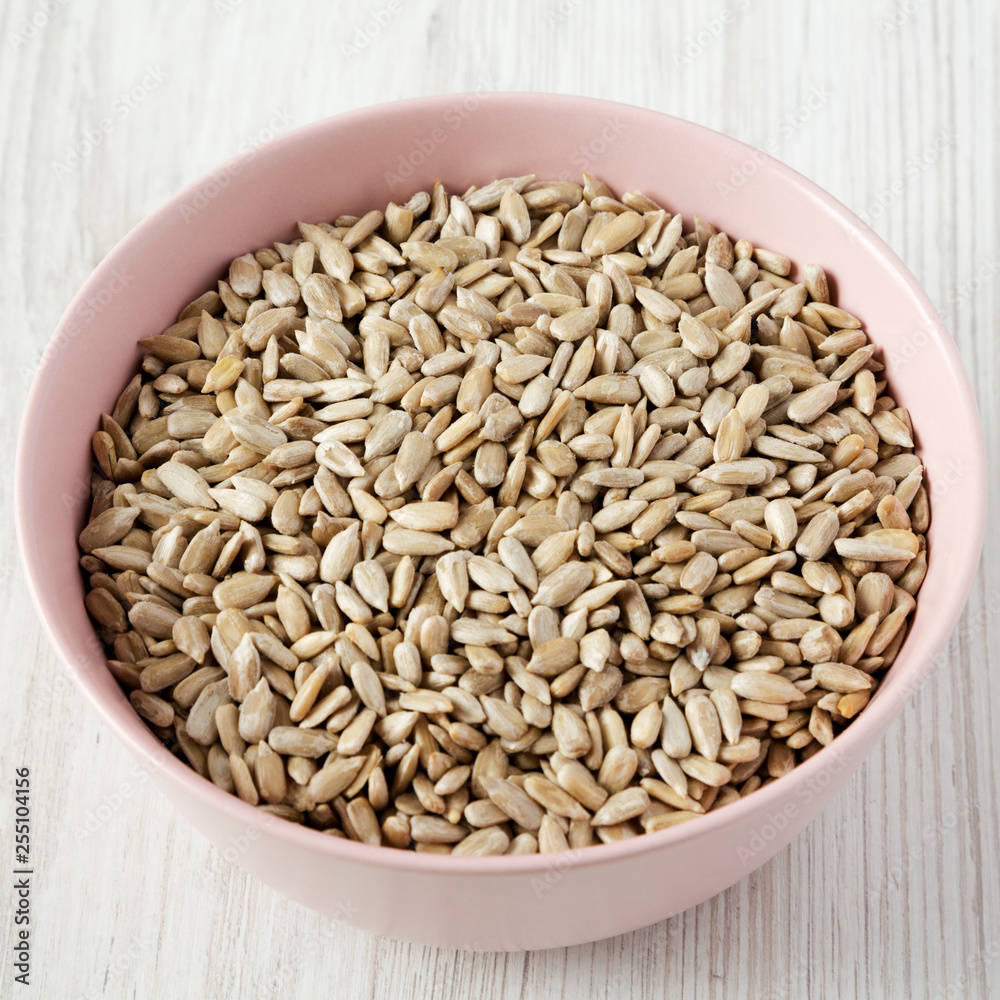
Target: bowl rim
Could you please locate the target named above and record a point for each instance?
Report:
(869, 724)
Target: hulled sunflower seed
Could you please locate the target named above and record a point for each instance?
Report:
(508, 522)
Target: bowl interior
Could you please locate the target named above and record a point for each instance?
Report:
(362, 160)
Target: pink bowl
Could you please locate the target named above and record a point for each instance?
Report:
(360, 160)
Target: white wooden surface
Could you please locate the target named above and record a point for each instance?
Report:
(889, 104)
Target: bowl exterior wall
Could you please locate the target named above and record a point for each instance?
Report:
(564, 904)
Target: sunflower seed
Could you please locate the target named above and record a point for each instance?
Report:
(534, 519)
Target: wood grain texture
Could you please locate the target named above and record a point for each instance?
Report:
(894, 891)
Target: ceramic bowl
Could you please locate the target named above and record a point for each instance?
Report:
(361, 160)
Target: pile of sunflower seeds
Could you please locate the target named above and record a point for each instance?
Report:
(504, 522)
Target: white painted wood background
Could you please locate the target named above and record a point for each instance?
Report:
(893, 892)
